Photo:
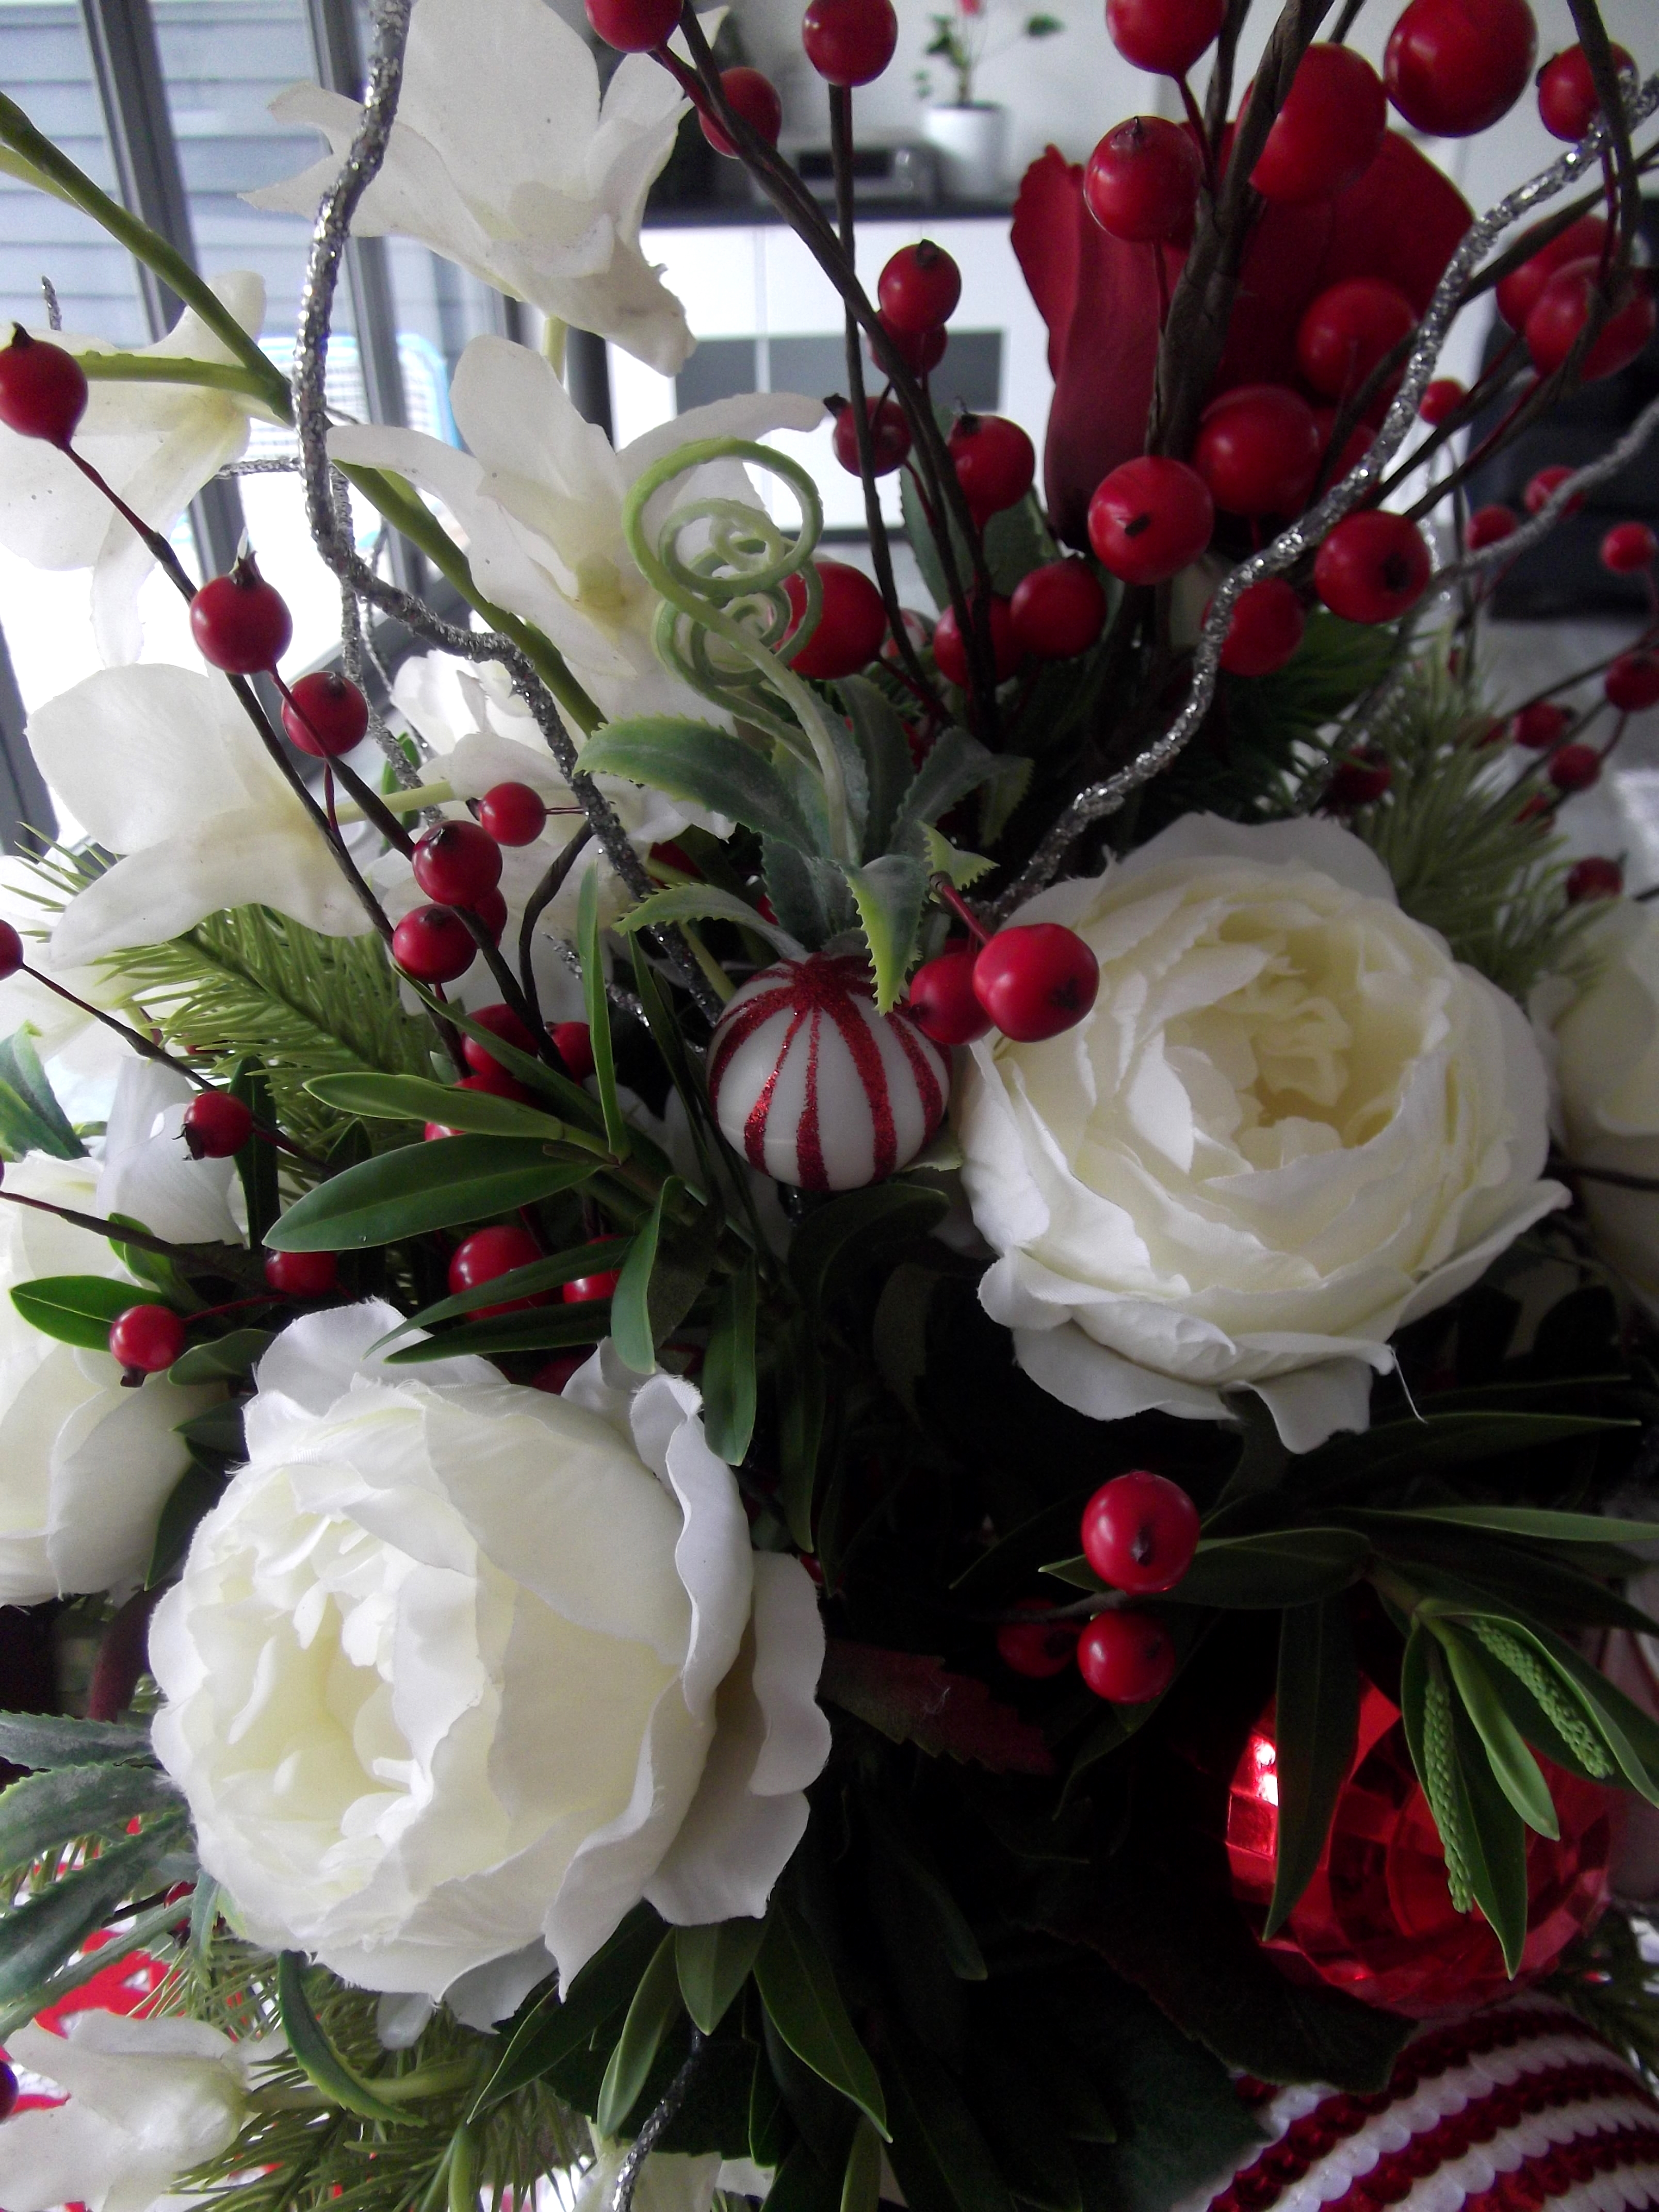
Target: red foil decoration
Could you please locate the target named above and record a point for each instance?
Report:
(1377, 1920)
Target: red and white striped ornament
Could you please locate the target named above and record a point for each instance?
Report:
(1520, 2108)
(813, 1086)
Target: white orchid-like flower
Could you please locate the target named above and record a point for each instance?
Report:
(539, 496)
(148, 1173)
(161, 765)
(148, 2100)
(154, 444)
(504, 158)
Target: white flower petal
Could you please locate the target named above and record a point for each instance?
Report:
(149, 1175)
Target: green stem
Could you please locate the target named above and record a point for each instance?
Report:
(169, 368)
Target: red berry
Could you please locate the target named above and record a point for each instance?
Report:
(1441, 399)
(1575, 768)
(1326, 134)
(1453, 66)
(239, 623)
(1592, 878)
(488, 1253)
(457, 863)
(1628, 548)
(852, 621)
(512, 814)
(1543, 487)
(1037, 1649)
(573, 1042)
(553, 1374)
(920, 288)
(849, 41)
(216, 1125)
(950, 653)
(754, 99)
(1516, 295)
(436, 1129)
(1567, 101)
(490, 908)
(634, 27)
(588, 1287)
(146, 1340)
(994, 462)
(1164, 36)
(8, 2092)
(1150, 518)
(1142, 179)
(1265, 629)
(1258, 449)
(1140, 1532)
(43, 389)
(1541, 807)
(1348, 330)
(1036, 980)
(1126, 1657)
(500, 1021)
(1057, 610)
(1372, 566)
(1360, 779)
(920, 350)
(1490, 526)
(889, 437)
(495, 1080)
(433, 945)
(1631, 684)
(942, 998)
(303, 1274)
(11, 950)
(325, 715)
(1563, 308)
(1541, 726)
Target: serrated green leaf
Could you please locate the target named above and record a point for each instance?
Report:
(223, 1359)
(944, 858)
(1317, 1707)
(321, 2063)
(43, 1811)
(728, 1368)
(1518, 1773)
(591, 953)
(713, 1962)
(412, 1099)
(706, 902)
(418, 1188)
(880, 736)
(44, 1740)
(797, 1988)
(75, 1308)
(889, 894)
(655, 2007)
(955, 764)
(696, 763)
(40, 1934)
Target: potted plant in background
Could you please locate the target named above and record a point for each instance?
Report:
(971, 135)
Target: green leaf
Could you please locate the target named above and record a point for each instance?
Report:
(256, 1162)
(40, 1934)
(1629, 1733)
(75, 1308)
(31, 1120)
(955, 764)
(1317, 1705)
(223, 1359)
(809, 893)
(797, 1988)
(192, 1499)
(1518, 1773)
(1498, 1870)
(925, 1894)
(889, 894)
(805, 2184)
(43, 1811)
(1284, 1567)
(861, 1228)
(655, 2008)
(860, 2188)
(137, 1934)
(598, 1258)
(412, 1099)
(554, 2024)
(591, 953)
(713, 1962)
(800, 1391)
(575, 1109)
(771, 2131)
(42, 1739)
(548, 1328)
(695, 761)
(630, 1301)
(728, 1368)
(219, 1429)
(1542, 1527)
(665, 1269)
(707, 902)
(321, 2063)
(943, 2162)
(942, 858)
(879, 734)
(422, 1186)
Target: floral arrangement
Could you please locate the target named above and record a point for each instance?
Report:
(844, 1402)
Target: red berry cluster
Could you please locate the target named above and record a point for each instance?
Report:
(1031, 982)
(459, 867)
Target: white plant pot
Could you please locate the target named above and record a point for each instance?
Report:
(973, 148)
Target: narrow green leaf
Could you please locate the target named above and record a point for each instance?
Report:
(696, 761)
(1545, 1528)
(192, 1499)
(1317, 1705)
(545, 1328)
(805, 2183)
(707, 902)
(556, 2022)
(219, 1429)
(713, 1962)
(422, 1187)
(412, 1099)
(939, 2155)
(591, 952)
(40, 1934)
(43, 1740)
(889, 893)
(223, 1359)
(1629, 1733)
(42, 1811)
(572, 1104)
(1284, 1567)
(655, 2008)
(322, 2064)
(596, 1259)
(771, 2131)
(630, 1301)
(859, 1230)
(728, 1368)
(1518, 1773)
(75, 1308)
(31, 1120)
(860, 2188)
(797, 1988)
(256, 1162)
(1498, 1866)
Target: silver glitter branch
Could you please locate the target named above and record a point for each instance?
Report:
(1104, 799)
(334, 543)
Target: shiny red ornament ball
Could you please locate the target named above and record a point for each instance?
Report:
(146, 1340)
(1563, 308)
(433, 945)
(1372, 566)
(994, 460)
(1594, 876)
(1567, 100)
(1328, 133)
(950, 650)
(889, 437)
(240, 623)
(1517, 294)
(585, 1290)
(1141, 181)
(1348, 330)
(324, 714)
(43, 389)
(634, 27)
(1036, 980)
(1140, 1532)
(754, 99)
(1440, 399)
(1490, 526)
(1126, 1657)
(849, 41)
(11, 950)
(918, 288)
(1265, 629)
(573, 1042)
(487, 1253)
(1150, 518)
(1038, 1649)
(852, 621)
(1631, 684)
(1453, 67)
(1057, 610)
(512, 814)
(942, 1001)
(1628, 548)
(216, 1125)
(1165, 37)
(303, 1274)
(1258, 449)
(457, 863)
(1575, 768)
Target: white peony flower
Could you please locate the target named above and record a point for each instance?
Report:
(1291, 1124)
(162, 765)
(457, 1672)
(156, 444)
(504, 159)
(1603, 1036)
(539, 497)
(148, 1173)
(148, 2100)
(86, 1464)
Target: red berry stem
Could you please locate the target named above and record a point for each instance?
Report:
(535, 906)
(374, 807)
(219, 1259)
(947, 894)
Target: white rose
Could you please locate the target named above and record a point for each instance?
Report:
(457, 1672)
(86, 1464)
(148, 2100)
(1606, 1049)
(1291, 1124)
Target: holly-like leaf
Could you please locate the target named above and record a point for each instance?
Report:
(42, 1811)
(879, 734)
(911, 1699)
(695, 761)
(955, 764)
(889, 893)
(707, 902)
(40, 1934)
(43, 1740)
